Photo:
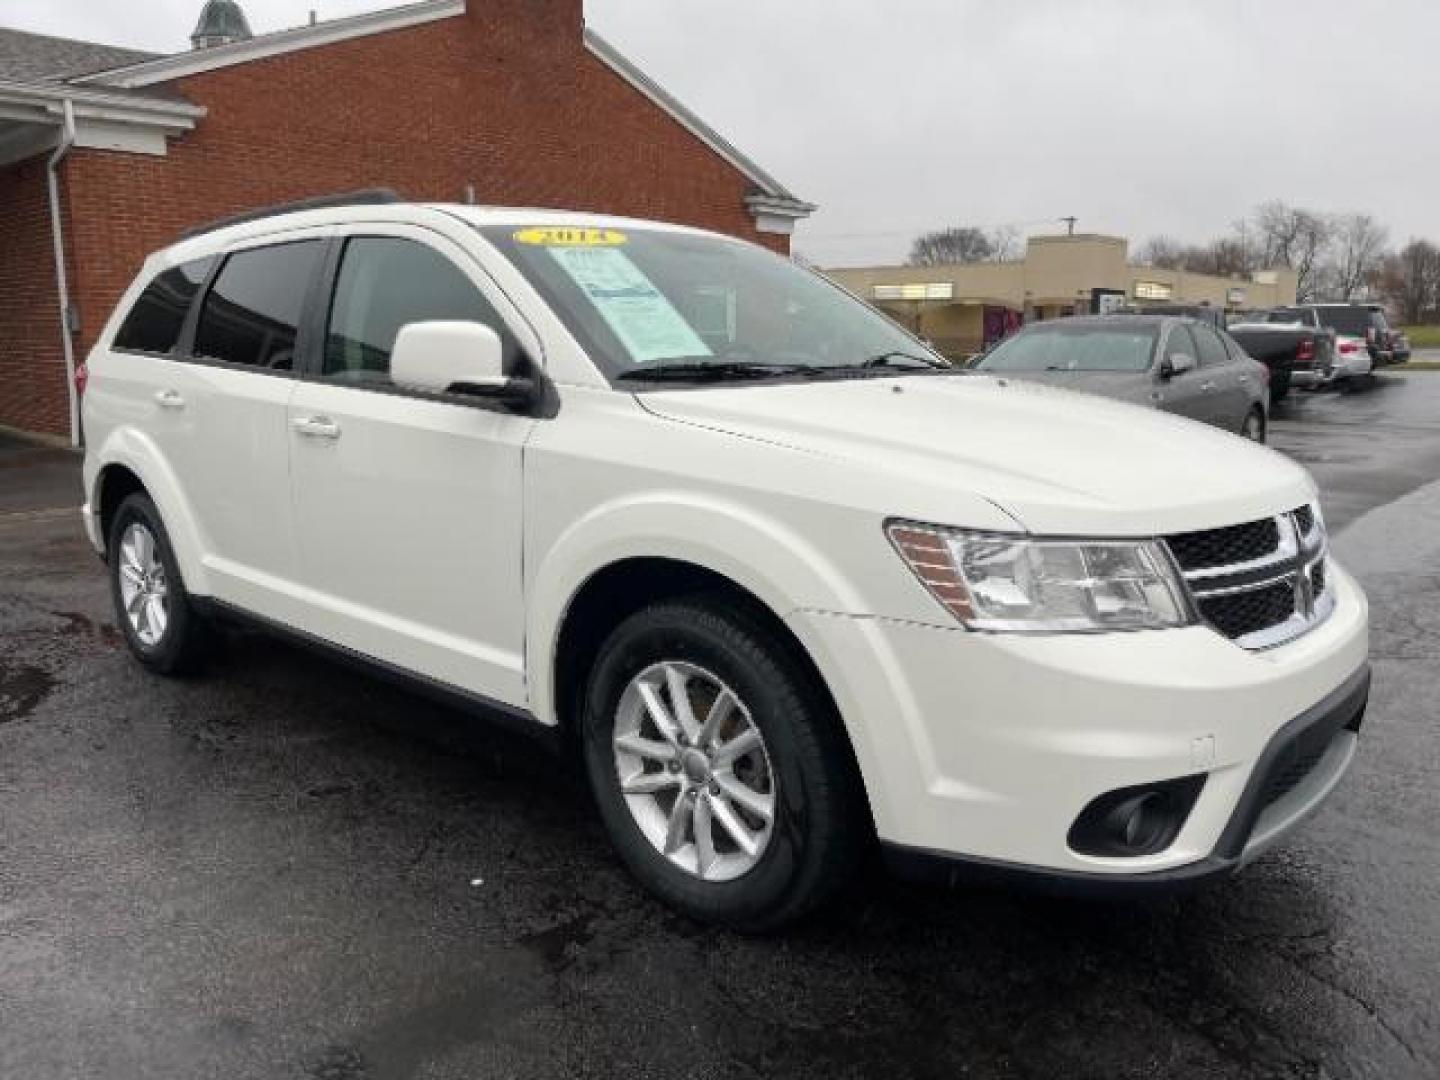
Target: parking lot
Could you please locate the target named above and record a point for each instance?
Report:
(283, 869)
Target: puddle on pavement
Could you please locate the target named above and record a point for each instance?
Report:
(559, 945)
(22, 688)
(81, 625)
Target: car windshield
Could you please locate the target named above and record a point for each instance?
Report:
(649, 302)
(1074, 348)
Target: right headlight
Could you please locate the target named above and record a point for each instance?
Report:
(1022, 584)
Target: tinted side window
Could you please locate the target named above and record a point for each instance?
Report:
(252, 313)
(385, 284)
(1180, 341)
(1351, 321)
(1212, 350)
(154, 323)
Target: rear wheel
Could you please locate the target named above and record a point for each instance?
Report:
(152, 608)
(1254, 426)
(720, 771)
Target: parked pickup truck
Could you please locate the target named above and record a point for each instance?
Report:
(1291, 343)
(786, 584)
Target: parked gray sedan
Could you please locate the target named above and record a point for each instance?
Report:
(1177, 364)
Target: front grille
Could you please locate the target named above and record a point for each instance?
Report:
(1259, 583)
(1240, 613)
(1224, 547)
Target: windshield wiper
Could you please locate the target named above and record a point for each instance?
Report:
(888, 359)
(711, 372)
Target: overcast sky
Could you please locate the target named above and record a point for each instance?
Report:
(1167, 116)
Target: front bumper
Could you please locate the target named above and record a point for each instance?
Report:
(987, 747)
(1258, 822)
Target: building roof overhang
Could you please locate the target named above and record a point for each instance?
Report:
(32, 115)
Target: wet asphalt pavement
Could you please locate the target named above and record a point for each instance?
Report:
(285, 869)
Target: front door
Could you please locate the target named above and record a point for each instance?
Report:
(1184, 394)
(408, 509)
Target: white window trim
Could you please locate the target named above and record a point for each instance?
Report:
(199, 61)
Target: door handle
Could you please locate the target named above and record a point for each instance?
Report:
(169, 399)
(317, 427)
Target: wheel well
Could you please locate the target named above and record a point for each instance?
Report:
(623, 588)
(116, 484)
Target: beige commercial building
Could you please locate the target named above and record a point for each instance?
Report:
(962, 308)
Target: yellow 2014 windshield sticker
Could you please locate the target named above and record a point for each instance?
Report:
(562, 236)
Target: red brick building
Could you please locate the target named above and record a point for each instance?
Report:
(107, 154)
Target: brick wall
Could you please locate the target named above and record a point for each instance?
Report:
(33, 393)
(506, 98)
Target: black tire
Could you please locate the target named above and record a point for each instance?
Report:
(182, 645)
(1279, 387)
(821, 826)
(1254, 426)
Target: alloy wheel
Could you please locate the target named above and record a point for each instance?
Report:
(694, 770)
(144, 590)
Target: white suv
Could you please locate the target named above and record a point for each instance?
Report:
(786, 581)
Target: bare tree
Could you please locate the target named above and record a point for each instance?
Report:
(1291, 238)
(1359, 247)
(1225, 257)
(1005, 243)
(946, 247)
(1162, 251)
(1410, 281)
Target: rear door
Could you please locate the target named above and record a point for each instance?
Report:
(141, 379)
(409, 506)
(1232, 384)
(242, 370)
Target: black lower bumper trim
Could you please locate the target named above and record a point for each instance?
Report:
(1342, 709)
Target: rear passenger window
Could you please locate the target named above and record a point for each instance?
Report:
(1180, 341)
(1212, 349)
(385, 284)
(155, 322)
(252, 314)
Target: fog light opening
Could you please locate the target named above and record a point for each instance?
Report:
(1133, 821)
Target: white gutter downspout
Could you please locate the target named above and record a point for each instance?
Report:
(62, 280)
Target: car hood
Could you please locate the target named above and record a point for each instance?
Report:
(1057, 462)
(1133, 386)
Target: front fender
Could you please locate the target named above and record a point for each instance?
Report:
(137, 452)
(760, 554)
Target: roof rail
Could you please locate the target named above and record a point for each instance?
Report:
(364, 197)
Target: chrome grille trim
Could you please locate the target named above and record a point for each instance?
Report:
(1298, 553)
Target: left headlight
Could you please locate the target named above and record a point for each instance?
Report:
(1026, 585)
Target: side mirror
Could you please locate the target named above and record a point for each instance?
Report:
(1176, 364)
(434, 356)
(455, 358)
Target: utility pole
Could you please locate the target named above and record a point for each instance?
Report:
(1070, 225)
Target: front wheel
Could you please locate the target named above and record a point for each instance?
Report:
(719, 769)
(1254, 426)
